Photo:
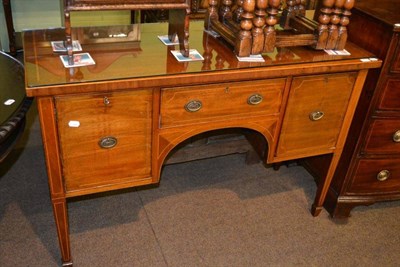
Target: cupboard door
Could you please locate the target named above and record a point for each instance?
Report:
(315, 111)
(105, 139)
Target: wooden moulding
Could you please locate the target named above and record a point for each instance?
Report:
(250, 26)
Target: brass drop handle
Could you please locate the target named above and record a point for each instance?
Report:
(316, 115)
(108, 142)
(255, 99)
(383, 175)
(193, 106)
(396, 136)
(106, 101)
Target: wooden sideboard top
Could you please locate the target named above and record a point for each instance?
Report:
(384, 10)
(150, 63)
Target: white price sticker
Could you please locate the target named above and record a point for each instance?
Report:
(74, 124)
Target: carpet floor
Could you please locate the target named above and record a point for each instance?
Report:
(213, 212)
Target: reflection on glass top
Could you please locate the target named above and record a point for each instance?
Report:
(148, 57)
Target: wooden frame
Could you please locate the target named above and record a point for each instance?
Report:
(250, 25)
(178, 19)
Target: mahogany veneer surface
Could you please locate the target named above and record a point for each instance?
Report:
(112, 125)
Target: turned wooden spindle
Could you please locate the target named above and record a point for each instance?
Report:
(324, 19)
(237, 14)
(225, 11)
(211, 14)
(333, 32)
(269, 30)
(302, 7)
(288, 12)
(344, 21)
(207, 55)
(244, 41)
(259, 22)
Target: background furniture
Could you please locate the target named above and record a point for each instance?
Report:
(13, 103)
(178, 20)
(299, 103)
(369, 170)
(250, 26)
(10, 26)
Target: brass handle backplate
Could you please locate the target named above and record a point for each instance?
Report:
(396, 137)
(316, 115)
(108, 142)
(255, 99)
(193, 106)
(383, 175)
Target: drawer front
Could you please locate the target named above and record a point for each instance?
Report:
(204, 104)
(383, 136)
(395, 66)
(375, 176)
(314, 114)
(390, 99)
(105, 139)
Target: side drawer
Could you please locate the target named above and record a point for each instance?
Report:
(207, 103)
(375, 176)
(314, 114)
(105, 139)
(390, 99)
(383, 137)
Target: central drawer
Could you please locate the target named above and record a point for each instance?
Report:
(207, 103)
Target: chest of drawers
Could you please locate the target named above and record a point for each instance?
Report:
(112, 125)
(368, 170)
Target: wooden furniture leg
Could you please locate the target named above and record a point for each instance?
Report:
(244, 42)
(46, 109)
(323, 20)
(323, 185)
(61, 218)
(179, 26)
(288, 13)
(344, 21)
(259, 22)
(333, 29)
(269, 31)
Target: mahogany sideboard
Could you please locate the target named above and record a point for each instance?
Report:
(369, 169)
(111, 125)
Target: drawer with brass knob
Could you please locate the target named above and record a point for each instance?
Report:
(105, 140)
(376, 176)
(314, 114)
(197, 104)
(383, 137)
